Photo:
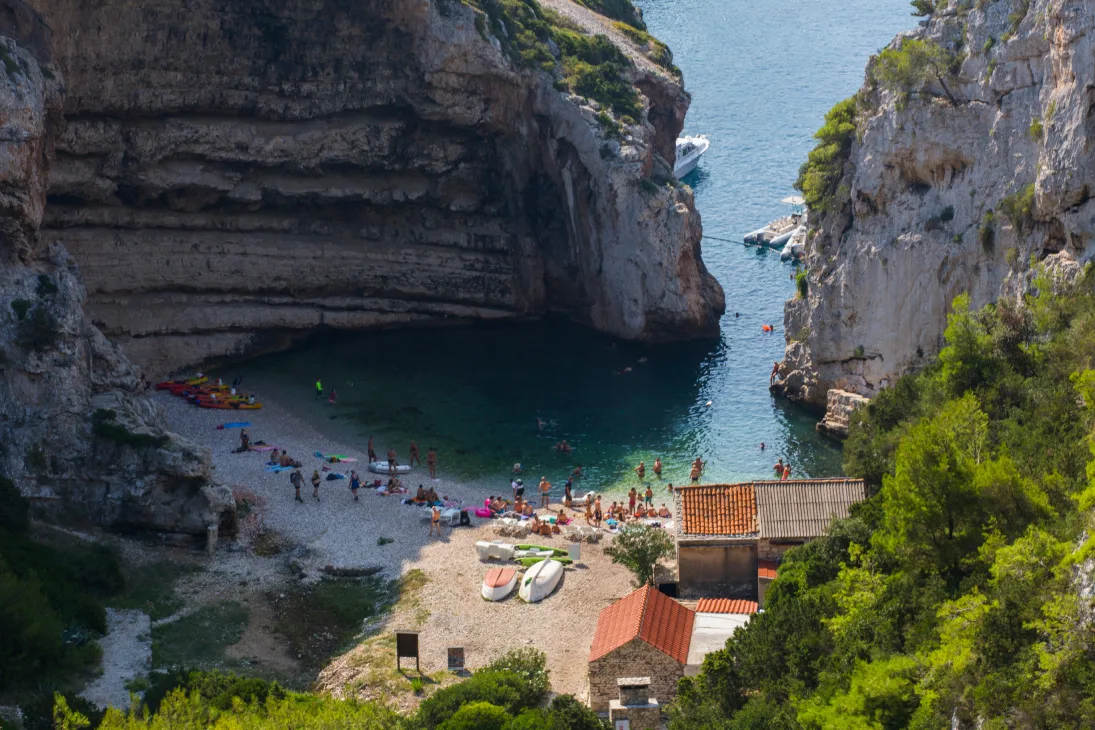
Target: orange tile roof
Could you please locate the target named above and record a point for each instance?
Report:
(726, 605)
(718, 509)
(647, 614)
(767, 569)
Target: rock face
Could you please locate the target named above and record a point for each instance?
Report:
(76, 434)
(922, 214)
(230, 178)
(839, 406)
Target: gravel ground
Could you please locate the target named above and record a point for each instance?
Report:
(337, 531)
(127, 654)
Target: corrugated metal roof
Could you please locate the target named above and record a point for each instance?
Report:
(726, 605)
(804, 508)
(718, 509)
(649, 615)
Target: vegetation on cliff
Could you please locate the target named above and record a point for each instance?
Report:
(589, 65)
(958, 595)
(819, 177)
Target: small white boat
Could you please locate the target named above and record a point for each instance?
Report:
(540, 580)
(582, 501)
(779, 232)
(494, 550)
(689, 152)
(499, 583)
(795, 246)
(381, 467)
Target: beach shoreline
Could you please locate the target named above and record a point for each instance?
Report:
(340, 534)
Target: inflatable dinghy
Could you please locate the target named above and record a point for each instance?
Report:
(381, 467)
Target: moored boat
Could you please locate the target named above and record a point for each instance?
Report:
(779, 232)
(499, 583)
(540, 580)
(689, 152)
(381, 467)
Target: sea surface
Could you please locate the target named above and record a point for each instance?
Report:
(762, 74)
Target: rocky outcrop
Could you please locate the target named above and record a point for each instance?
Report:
(76, 433)
(839, 406)
(232, 177)
(950, 190)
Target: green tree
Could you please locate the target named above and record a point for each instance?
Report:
(914, 63)
(819, 177)
(639, 548)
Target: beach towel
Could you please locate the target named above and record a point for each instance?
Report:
(237, 424)
(264, 448)
(335, 475)
(276, 469)
(332, 457)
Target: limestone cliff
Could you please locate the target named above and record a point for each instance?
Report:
(234, 175)
(950, 187)
(76, 433)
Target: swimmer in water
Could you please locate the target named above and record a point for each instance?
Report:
(539, 423)
(762, 446)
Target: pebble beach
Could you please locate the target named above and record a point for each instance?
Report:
(337, 532)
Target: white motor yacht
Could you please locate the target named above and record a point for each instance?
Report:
(779, 231)
(689, 152)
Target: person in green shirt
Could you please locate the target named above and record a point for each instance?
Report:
(319, 388)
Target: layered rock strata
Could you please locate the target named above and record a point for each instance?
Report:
(931, 204)
(232, 177)
(77, 435)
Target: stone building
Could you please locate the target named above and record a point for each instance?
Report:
(645, 634)
(725, 530)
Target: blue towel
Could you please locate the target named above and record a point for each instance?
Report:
(276, 469)
(237, 424)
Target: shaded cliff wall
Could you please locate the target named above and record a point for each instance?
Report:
(929, 178)
(76, 433)
(232, 175)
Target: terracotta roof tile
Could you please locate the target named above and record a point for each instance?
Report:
(766, 569)
(726, 605)
(649, 615)
(718, 509)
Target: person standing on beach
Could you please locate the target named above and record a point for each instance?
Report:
(372, 451)
(694, 475)
(567, 496)
(355, 483)
(431, 462)
(589, 512)
(414, 454)
(632, 497)
(391, 460)
(315, 484)
(296, 480)
(319, 388)
(545, 492)
(245, 440)
(435, 521)
(641, 470)
(658, 467)
(648, 497)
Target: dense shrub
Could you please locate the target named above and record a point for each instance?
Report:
(217, 688)
(1019, 208)
(529, 664)
(802, 284)
(908, 67)
(640, 548)
(477, 716)
(986, 234)
(819, 177)
(505, 689)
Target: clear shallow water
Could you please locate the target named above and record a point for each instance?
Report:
(762, 75)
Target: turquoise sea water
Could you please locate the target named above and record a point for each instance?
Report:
(762, 74)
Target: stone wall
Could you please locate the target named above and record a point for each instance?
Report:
(230, 180)
(769, 550)
(635, 658)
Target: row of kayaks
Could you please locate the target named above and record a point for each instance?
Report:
(544, 569)
(205, 394)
